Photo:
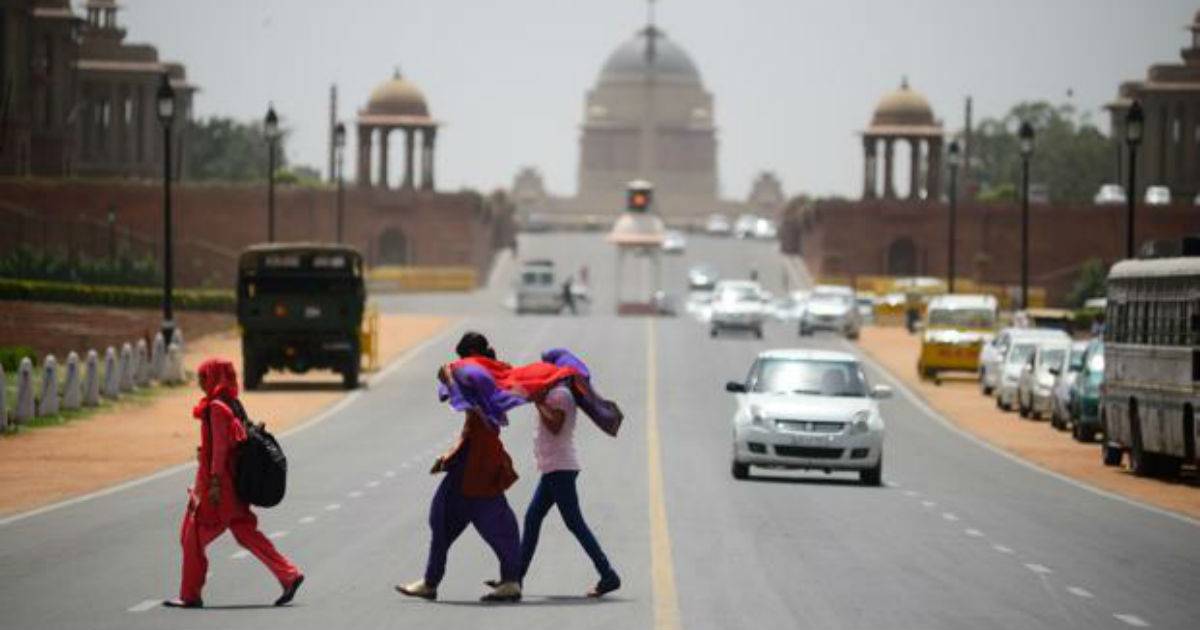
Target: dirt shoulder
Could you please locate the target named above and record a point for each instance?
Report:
(1036, 441)
(136, 438)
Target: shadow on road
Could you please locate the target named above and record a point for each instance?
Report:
(811, 481)
(550, 601)
(299, 386)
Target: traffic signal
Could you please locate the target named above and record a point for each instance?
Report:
(639, 199)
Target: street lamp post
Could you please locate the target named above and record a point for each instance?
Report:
(1134, 121)
(1026, 142)
(339, 142)
(165, 100)
(271, 128)
(953, 152)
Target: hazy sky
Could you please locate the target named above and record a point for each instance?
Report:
(793, 80)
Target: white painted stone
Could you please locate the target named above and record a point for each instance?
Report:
(125, 368)
(3, 400)
(91, 380)
(48, 401)
(72, 393)
(24, 410)
(112, 375)
(174, 371)
(141, 372)
(158, 357)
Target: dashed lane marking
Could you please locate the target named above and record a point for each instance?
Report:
(144, 605)
(333, 506)
(1133, 620)
(973, 532)
(389, 474)
(949, 516)
(1002, 548)
(929, 504)
(912, 493)
(238, 555)
(1080, 592)
(1038, 568)
(277, 535)
(354, 494)
(372, 484)
(305, 520)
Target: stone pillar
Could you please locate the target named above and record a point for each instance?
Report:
(383, 157)
(112, 154)
(889, 186)
(364, 156)
(428, 136)
(914, 168)
(869, 168)
(933, 174)
(410, 145)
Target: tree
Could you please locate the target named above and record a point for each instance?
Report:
(1089, 284)
(223, 149)
(1071, 156)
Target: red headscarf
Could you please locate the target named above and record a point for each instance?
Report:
(218, 378)
(527, 381)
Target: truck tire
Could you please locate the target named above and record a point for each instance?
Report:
(350, 374)
(1141, 463)
(252, 371)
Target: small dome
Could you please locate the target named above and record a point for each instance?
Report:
(631, 61)
(903, 107)
(397, 97)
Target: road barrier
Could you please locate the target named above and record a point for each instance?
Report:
(396, 279)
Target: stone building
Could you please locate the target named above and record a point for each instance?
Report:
(1169, 154)
(903, 116)
(80, 99)
(396, 105)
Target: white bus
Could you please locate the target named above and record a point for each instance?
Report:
(1152, 364)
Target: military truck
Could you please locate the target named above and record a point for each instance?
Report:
(300, 307)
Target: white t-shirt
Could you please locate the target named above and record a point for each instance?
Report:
(557, 452)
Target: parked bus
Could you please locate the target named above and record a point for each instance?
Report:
(1152, 364)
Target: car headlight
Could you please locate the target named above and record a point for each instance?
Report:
(860, 422)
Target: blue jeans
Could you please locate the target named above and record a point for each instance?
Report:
(558, 488)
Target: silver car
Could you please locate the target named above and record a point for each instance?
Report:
(808, 409)
(831, 308)
(992, 353)
(1064, 382)
(737, 305)
(1035, 388)
(536, 289)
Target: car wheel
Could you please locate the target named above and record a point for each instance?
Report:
(739, 470)
(872, 476)
(350, 374)
(712, 332)
(758, 334)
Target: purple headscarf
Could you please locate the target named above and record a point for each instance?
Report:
(471, 387)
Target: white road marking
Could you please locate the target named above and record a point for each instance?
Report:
(405, 465)
(929, 504)
(238, 555)
(973, 532)
(372, 484)
(894, 484)
(354, 494)
(277, 535)
(949, 516)
(389, 474)
(307, 519)
(1133, 620)
(1002, 548)
(1080, 592)
(144, 605)
(1038, 568)
(911, 493)
(333, 506)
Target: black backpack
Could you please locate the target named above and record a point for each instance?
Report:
(260, 467)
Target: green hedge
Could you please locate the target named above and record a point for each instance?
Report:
(101, 295)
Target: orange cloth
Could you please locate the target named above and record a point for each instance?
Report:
(488, 469)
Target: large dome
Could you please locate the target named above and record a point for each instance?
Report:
(904, 107)
(397, 97)
(632, 61)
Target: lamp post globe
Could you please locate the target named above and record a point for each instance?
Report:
(953, 155)
(165, 108)
(339, 143)
(271, 129)
(1134, 127)
(1025, 139)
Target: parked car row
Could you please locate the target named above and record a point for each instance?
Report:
(1114, 194)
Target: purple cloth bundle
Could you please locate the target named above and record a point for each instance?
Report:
(605, 413)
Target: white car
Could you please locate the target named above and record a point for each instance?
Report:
(1109, 194)
(537, 290)
(765, 230)
(992, 353)
(831, 308)
(737, 305)
(1035, 388)
(808, 409)
(1158, 196)
(717, 224)
(673, 242)
(744, 226)
(790, 308)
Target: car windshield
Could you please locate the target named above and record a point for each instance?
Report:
(962, 317)
(1053, 358)
(1020, 353)
(1077, 359)
(817, 378)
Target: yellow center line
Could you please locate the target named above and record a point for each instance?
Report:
(662, 568)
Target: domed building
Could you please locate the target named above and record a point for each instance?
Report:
(903, 115)
(396, 104)
(649, 117)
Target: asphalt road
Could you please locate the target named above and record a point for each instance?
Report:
(959, 537)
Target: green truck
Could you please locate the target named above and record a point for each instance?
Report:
(300, 307)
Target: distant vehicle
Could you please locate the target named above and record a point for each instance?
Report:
(1099, 303)
(1109, 194)
(699, 305)
(1056, 318)
(744, 226)
(991, 355)
(1064, 380)
(300, 307)
(790, 308)
(831, 307)
(764, 230)
(866, 307)
(808, 409)
(673, 242)
(1085, 394)
(702, 277)
(737, 305)
(1152, 365)
(1158, 196)
(717, 224)
(537, 288)
(1015, 360)
(1036, 383)
(956, 327)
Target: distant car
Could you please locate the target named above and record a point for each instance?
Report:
(717, 224)
(831, 308)
(808, 409)
(790, 308)
(956, 328)
(744, 226)
(1158, 196)
(737, 305)
(765, 230)
(1085, 394)
(537, 290)
(1036, 383)
(991, 355)
(699, 305)
(1015, 360)
(702, 278)
(866, 307)
(1064, 380)
(1109, 194)
(673, 242)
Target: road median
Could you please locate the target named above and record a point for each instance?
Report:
(960, 401)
